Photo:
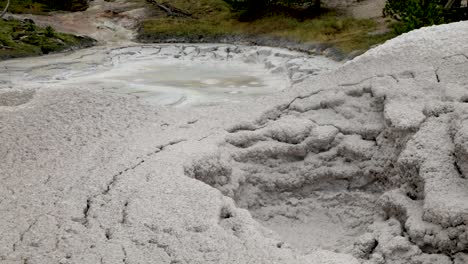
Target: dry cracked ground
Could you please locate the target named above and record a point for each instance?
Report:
(365, 164)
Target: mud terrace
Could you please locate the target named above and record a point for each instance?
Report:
(366, 163)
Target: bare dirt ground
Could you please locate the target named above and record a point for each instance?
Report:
(370, 9)
(367, 9)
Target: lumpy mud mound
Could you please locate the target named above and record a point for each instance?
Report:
(374, 166)
(308, 170)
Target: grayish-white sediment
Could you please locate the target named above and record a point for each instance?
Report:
(367, 163)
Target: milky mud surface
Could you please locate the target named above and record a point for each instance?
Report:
(109, 156)
(172, 75)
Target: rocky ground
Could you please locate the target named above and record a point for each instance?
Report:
(367, 164)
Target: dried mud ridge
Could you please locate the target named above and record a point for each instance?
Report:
(386, 156)
(317, 49)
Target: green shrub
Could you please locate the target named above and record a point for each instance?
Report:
(413, 14)
(30, 27)
(49, 32)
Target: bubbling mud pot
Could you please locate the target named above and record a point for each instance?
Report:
(174, 75)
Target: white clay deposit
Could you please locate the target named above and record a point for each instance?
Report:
(133, 155)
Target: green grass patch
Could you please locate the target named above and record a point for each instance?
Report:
(214, 18)
(20, 39)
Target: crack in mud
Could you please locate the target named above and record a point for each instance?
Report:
(115, 179)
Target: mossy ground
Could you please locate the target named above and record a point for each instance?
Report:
(20, 39)
(212, 18)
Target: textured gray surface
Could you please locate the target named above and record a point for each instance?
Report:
(369, 161)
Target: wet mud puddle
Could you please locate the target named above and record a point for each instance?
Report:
(179, 83)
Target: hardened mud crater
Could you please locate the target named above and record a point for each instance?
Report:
(175, 75)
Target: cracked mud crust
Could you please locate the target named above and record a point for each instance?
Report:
(366, 164)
